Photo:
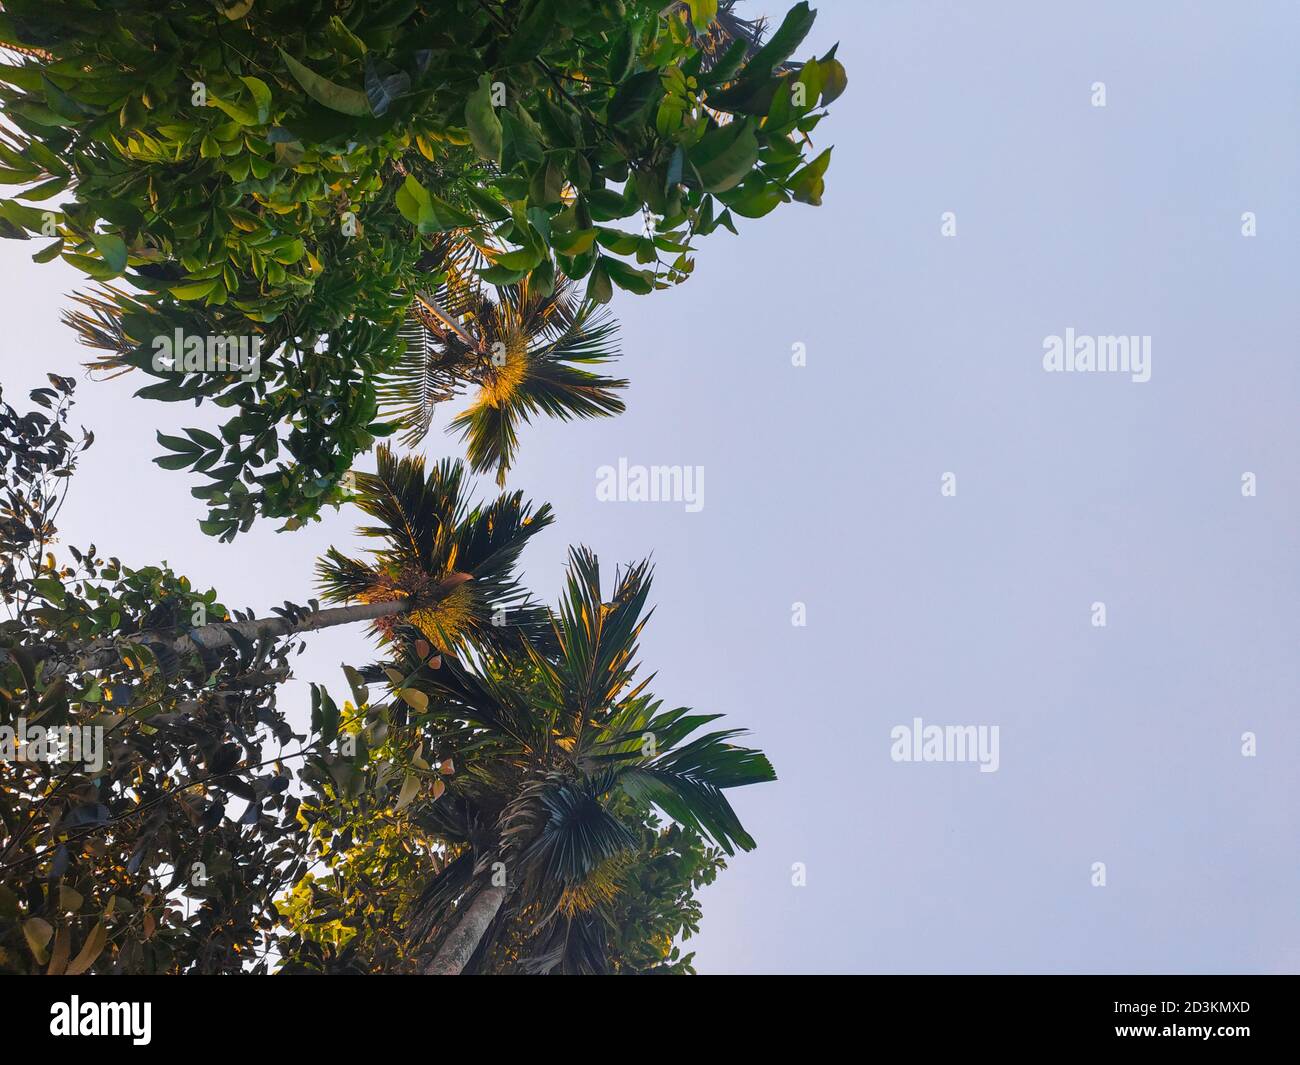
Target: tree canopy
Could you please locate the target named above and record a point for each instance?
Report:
(325, 219)
(158, 814)
(312, 174)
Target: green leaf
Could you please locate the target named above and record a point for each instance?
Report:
(360, 693)
(624, 52)
(46, 189)
(411, 199)
(261, 96)
(322, 90)
(90, 266)
(481, 119)
(725, 156)
(112, 248)
(599, 288)
(410, 788)
(607, 205)
(27, 217)
(338, 34)
(329, 717)
(195, 291)
(204, 439)
(628, 277)
(37, 931)
(491, 207)
(500, 275)
(532, 32)
(179, 443)
(49, 252)
(633, 98)
(574, 243)
(835, 79)
(25, 77)
(807, 184)
(241, 115)
(519, 259)
(781, 45)
(754, 202)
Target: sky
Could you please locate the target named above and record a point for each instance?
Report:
(947, 512)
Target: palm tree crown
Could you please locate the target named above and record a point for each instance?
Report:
(520, 350)
(566, 744)
(454, 563)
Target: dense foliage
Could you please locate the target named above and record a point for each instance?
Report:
(300, 173)
(506, 745)
(164, 845)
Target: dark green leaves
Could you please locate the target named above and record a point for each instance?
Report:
(781, 45)
(631, 103)
(322, 90)
(726, 155)
(346, 159)
(531, 32)
(112, 248)
(599, 287)
(624, 52)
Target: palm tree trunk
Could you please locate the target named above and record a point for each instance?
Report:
(61, 659)
(463, 940)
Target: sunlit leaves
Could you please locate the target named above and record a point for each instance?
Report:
(300, 195)
(808, 183)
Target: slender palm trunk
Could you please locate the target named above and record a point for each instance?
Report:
(61, 659)
(463, 940)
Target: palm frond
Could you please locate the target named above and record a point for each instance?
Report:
(418, 509)
(559, 827)
(527, 353)
(456, 564)
(597, 639)
(342, 579)
(547, 378)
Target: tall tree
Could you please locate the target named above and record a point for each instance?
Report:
(142, 826)
(277, 173)
(501, 818)
(515, 736)
(573, 733)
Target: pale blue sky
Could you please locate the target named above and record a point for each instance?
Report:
(1119, 744)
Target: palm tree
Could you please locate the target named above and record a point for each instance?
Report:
(454, 566)
(563, 741)
(448, 570)
(521, 350)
